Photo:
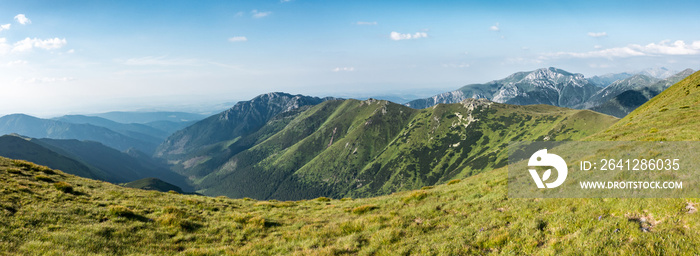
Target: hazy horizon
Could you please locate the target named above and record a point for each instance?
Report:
(82, 57)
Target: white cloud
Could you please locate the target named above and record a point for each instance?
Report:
(22, 19)
(366, 23)
(597, 34)
(15, 63)
(5, 27)
(4, 46)
(257, 14)
(49, 44)
(238, 39)
(495, 27)
(46, 44)
(71, 51)
(348, 69)
(35, 80)
(160, 61)
(398, 36)
(653, 49)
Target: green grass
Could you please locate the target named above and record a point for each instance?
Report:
(367, 148)
(664, 117)
(473, 216)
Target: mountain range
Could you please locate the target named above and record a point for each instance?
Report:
(45, 128)
(88, 159)
(557, 87)
(354, 148)
(630, 99)
(549, 86)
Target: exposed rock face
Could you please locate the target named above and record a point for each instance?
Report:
(550, 86)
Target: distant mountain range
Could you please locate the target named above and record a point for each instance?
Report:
(126, 117)
(557, 87)
(86, 159)
(45, 128)
(549, 86)
(122, 136)
(628, 99)
(607, 79)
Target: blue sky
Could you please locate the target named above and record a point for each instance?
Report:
(94, 56)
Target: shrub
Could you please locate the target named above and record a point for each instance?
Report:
(24, 189)
(173, 210)
(258, 222)
(46, 170)
(23, 164)
(63, 187)
(43, 178)
(173, 192)
(455, 181)
(241, 218)
(14, 171)
(364, 208)
(120, 211)
(415, 196)
(427, 187)
(323, 199)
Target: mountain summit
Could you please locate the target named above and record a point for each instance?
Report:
(243, 118)
(550, 86)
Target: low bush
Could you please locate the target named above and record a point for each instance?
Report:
(14, 171)
(43, 178)
(364, 208)
(323, 199)
(120, 211)
(63, 187)
(415, 196)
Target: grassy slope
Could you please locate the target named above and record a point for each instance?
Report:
(368, 148)
(473, 216)
(672, 115)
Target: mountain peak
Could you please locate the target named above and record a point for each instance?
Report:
(244, 117)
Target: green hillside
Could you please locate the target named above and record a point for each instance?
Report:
(120, 166)
(357, 148)
(16, 147)
(672, 115)
(622, 103)
(52, 213)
